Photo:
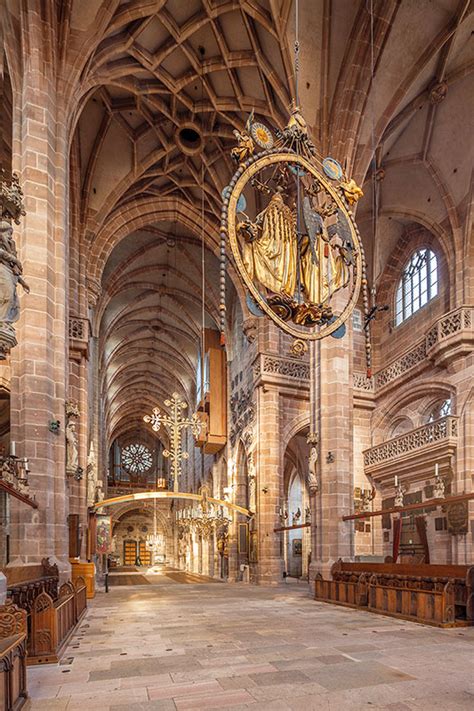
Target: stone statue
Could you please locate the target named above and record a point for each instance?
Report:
(367, 498)
(72, 452)
(10, 275)
(99, 492)
(72, 455)
(91, 476)
(313, 481)
(307, 514)
(439, 487)
(296, 515)
(252, 483)
(11, 208)
(398, 496)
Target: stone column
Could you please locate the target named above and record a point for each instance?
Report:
(270, 565)
(233, 571)
(39, 363)
(334, 536)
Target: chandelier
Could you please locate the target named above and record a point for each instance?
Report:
(155, 540)
(203, 518)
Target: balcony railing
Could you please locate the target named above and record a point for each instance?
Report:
(450, 336)
(438, 431)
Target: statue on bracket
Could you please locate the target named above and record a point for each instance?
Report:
(72, 453)
(313, 480)
(399, 496)
(91, 476)
(439, 488)
(252, 483)
(11, 270)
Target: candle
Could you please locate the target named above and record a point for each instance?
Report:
(396, 480)
(436, 468)
(13, 448)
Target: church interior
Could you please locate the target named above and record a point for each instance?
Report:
(236, 354)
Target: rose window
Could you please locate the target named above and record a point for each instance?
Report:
(136, 458)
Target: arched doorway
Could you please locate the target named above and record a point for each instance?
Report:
(295, 512)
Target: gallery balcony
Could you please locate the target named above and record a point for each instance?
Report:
(412, 456)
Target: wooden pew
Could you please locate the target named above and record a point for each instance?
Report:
(441, 595)
(13, 691)
(53, 621)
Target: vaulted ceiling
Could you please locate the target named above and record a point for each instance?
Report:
(154, 90)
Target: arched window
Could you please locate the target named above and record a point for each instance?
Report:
(418, 285)
(441, 409)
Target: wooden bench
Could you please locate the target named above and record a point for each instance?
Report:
(441, 595)
(13, 633)
(25, 583)
(53, 621)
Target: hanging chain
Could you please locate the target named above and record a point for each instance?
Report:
(298, 187)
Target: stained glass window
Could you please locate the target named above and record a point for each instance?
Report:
(418, 285)
(136, 458)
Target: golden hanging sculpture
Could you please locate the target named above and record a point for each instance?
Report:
(270, 249)
(302, 247)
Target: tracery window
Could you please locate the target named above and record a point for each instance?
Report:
(418, 285)
(441, 409)
(136, 458)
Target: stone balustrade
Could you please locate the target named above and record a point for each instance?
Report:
(440, 430)
(450, 336)
(268, 365)
(78, 337)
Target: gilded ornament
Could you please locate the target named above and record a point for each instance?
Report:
(332, 168)
(298, 348)
(293, 261)
(351, 191)
(262, 135)
(175, 425)
(244, 148)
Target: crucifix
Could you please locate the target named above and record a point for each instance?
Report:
(175, 424)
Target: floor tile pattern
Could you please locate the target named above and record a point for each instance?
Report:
(168, 646)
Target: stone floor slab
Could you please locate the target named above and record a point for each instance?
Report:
(196, 646)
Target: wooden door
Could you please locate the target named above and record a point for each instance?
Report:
(74, 536)
(145, 555)
(129, 552)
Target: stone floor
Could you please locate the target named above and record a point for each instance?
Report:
(168, 645)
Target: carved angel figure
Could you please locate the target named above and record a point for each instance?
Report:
(324, 269)
(244, 147)
(351, 191)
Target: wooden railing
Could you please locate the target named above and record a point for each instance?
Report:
(13, 691)
(53, 621)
